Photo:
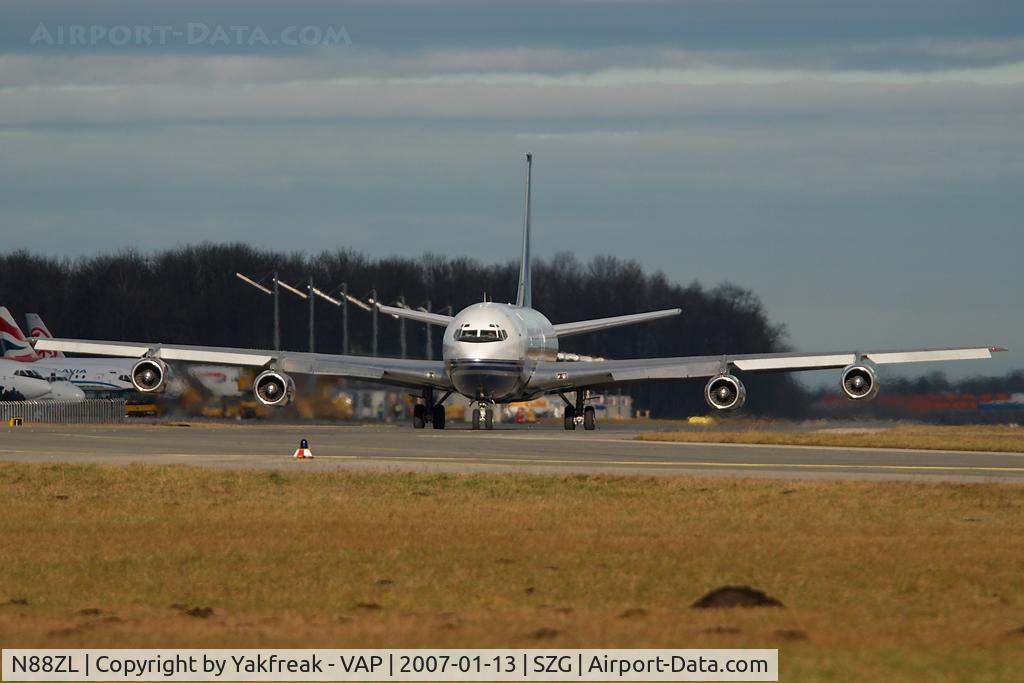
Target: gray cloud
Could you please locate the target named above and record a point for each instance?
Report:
(621, 94)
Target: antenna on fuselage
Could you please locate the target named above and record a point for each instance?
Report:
(523, 295)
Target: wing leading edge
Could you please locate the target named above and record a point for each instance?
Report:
(404, 373)
(549, 375)
(553, 376)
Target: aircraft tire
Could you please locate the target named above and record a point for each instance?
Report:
(570, 418)
(476, 418)
(489, 419)
(589, 418)
(437, 418)
(419, 416)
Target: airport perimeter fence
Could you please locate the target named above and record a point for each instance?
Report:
(92, 411)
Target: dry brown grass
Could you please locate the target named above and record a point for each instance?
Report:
(999, 438)
(880, 581)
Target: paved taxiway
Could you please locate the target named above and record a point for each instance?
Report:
(514, 448)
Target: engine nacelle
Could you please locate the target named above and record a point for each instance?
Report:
(273, 388)
(725, 392)
(149, 375)
(859, 382)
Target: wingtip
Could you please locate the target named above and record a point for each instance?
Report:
(997, 349)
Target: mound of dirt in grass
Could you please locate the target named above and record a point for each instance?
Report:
(197, 612)
(736, 596)
(544, 633)
(791, 634)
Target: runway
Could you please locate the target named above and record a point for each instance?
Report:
(514, 448)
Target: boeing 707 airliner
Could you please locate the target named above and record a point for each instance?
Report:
(499, 353)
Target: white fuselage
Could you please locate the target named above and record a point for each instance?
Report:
(30, 383)
(491, 350)
(89, 374)
(28, 387)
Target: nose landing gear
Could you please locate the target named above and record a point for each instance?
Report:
(483, 414)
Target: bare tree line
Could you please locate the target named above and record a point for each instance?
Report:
(190, 295)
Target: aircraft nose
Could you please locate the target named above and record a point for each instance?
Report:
(493, 379)
(66, 391)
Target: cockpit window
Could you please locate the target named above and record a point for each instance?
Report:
(28, 373)
(479, 335)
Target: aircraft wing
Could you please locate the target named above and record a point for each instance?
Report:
(394, 371)
(562, 376)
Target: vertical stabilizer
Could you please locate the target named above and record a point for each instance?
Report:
(12, 341)
(523, 295)
(37, 328)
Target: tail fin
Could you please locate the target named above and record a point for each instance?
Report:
(12, 341)
(524, 296)
(37, 329)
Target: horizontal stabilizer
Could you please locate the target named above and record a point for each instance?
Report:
(567, 329)
(416, 314)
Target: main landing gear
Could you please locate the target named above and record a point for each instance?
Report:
(578, 413)
(429, 410)
(483, 414)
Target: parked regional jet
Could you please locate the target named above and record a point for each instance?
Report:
(499, 353)
(29, 386)
(32, 385)
(89, 374)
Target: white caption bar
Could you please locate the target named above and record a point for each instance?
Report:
(390, 665)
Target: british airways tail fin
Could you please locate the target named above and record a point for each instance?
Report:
(37, 329)
(524, 296)
(12, 341)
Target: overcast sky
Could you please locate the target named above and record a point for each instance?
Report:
(860, 166)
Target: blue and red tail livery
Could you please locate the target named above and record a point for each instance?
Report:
(12, 341)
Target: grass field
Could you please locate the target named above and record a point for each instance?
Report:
(879, 581)
(1001, 438)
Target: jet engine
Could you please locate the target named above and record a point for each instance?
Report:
(725, 392)
(859, 382)
(273, 388)
(149, 375)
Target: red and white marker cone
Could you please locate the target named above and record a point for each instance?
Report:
(303, 452)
